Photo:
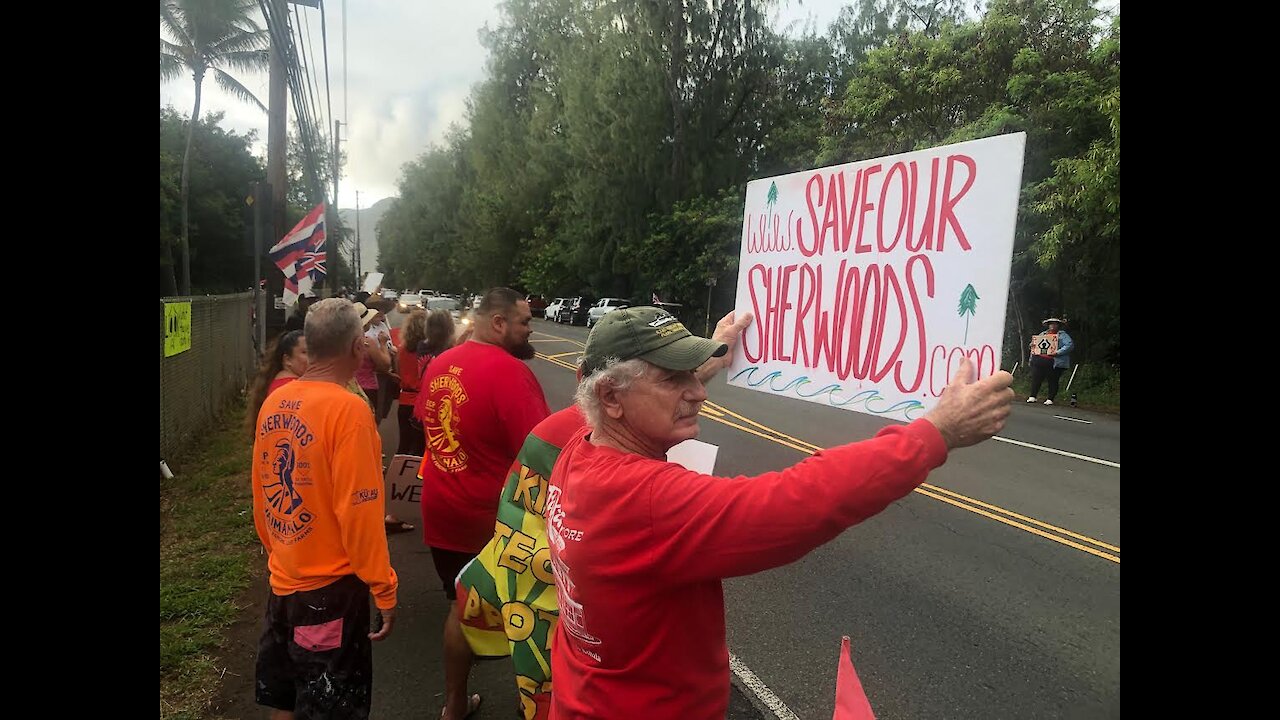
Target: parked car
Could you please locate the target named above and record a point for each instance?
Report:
(537, 304)
(553, 309)
(604, 307)
(389, 294)
(574, 310)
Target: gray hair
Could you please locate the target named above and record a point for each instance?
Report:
(330, 328)
(619, 374)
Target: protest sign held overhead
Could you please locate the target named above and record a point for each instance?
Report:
(870, 281)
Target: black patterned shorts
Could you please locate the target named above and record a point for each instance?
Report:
(315, 657)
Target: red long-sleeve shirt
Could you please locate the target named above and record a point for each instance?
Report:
(640, 546)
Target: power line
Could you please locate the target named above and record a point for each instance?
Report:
(300, 68)
(307, 97)
(313, 86)
(344, 62)
(328, 94)
(282, 39)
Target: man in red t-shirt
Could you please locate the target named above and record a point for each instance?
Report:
(639, 545)
(479, 401)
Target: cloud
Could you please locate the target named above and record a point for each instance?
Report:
(411, 68)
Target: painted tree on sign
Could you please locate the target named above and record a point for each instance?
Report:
(968, 306)
(773, 194)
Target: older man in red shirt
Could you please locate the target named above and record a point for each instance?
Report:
(639, 545)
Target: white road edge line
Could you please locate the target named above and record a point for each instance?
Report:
(1055, 451)
(1064, 417)
(762, 691)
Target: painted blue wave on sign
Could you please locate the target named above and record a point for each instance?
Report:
(834, 393)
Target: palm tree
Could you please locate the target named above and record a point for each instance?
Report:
(209, 35)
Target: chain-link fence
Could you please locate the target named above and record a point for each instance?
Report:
(197, 383)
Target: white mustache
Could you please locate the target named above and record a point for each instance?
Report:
(690, 410)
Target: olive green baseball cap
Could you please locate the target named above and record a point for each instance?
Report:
(648, 333)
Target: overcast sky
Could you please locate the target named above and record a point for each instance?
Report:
(411, 66)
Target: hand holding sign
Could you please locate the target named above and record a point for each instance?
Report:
(1044, 344)
(728, 330)
(969, 412)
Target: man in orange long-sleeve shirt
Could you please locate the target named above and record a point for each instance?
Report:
(318, 508)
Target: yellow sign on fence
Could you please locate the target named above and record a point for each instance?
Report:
(177, 328)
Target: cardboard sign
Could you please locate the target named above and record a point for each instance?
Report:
(870, 282)
(404, 489)
(1044, 344)
(177, 328)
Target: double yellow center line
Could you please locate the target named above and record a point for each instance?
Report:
(725, 416)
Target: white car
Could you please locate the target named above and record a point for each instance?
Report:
(553, 309)
(409, 301)
(604, 307)
(460, 319)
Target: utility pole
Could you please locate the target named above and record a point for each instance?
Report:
(277, 137)
(260, 199)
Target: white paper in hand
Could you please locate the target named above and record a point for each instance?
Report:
(695, 455)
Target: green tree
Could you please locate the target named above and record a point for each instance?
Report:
(1080, 204)
(419, 241)
(225, 169)
(695, 242)
(1046, 67)
(606, 149)
(208, 35)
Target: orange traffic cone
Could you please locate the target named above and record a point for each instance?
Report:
(851, 701)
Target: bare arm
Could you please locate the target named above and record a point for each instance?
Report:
(378, 354)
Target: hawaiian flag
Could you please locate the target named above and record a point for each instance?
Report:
(300, 255)
(313, 260)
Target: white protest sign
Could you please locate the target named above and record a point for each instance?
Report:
(695, 455)
(871, 281)
(404, 489)
(372, 281)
